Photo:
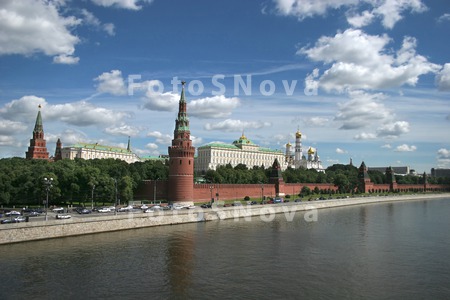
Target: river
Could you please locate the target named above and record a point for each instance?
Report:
(377, 251)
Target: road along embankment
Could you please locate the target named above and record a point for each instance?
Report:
(38, 230)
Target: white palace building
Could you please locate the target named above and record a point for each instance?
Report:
(243, 151)
(93, 151)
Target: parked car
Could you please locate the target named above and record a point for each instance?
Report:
(7, 221)
(20, 219)
(82, 210)
(34, 213)
(104, 210)
(63, 216)
(12, 213)
(58, 210)
(127, 208)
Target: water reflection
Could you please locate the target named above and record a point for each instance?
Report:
(180, 252)
(376, 251)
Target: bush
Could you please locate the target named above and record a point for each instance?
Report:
(246, 198)
(288, 196)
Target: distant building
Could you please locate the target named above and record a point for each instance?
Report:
(38, 145)
(93, 151)
(397, 170)
(440, 172)
(298, 160)
(241, 151)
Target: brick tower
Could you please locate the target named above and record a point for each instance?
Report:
(277, 179)
(181, 159)
(37, 148)
(58, 154)
(364, 183)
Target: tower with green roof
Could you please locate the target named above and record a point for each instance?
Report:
(181, 158)
(38, 145)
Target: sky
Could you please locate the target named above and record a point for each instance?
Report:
(361, 79)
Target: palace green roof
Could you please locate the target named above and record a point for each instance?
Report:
(101, 148)
(234, 147)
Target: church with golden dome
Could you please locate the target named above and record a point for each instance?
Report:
(298, 160)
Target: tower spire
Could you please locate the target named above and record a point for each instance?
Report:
(181, 158)
(129, 144)
(37, 148)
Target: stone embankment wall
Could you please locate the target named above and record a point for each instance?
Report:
(21, 232)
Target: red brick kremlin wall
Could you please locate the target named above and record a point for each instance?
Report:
(202, 192)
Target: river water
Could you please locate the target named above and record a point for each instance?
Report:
(376, 251)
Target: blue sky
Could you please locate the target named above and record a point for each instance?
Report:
(367, 79)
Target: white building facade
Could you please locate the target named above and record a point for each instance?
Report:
(241, 151)
(92, 151)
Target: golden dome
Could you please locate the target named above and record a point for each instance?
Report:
(288, 144)
(311, 150)
(298, 134)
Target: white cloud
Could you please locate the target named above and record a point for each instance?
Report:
(160, 138)
(90, 19)
(443, 153)
(389, 11)
(315, 121)
(68, 137)
(127, 4)
(213, 107)
(80, 113)
(196, 141)
(405, 148)
(362, 110)
(235, 125)
(444, 17)
(160, 101)
(151, 146)
(443, 78)
(360, 61)
(124, 130)
(112, 83)
(308, 8)
(443, 158)
(66, 59)
(340, 151)
(362, 19)
(386, 146)
(28, 27)
(8, 127)
(393, 130)
(7, 141)
(365, 136)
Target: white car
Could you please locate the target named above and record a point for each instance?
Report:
(128, 208)
(144, 207)
(63, 216)
(58, 210)
(12, 213)
(104, 210)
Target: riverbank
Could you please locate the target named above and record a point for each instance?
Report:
(22, 232)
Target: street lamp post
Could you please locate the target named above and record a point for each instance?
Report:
(154, 191)
(262, 192)
(211, 187)
(48, 184)
(92, 197)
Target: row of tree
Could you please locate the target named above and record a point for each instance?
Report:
(101, 180)
(115, 181)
